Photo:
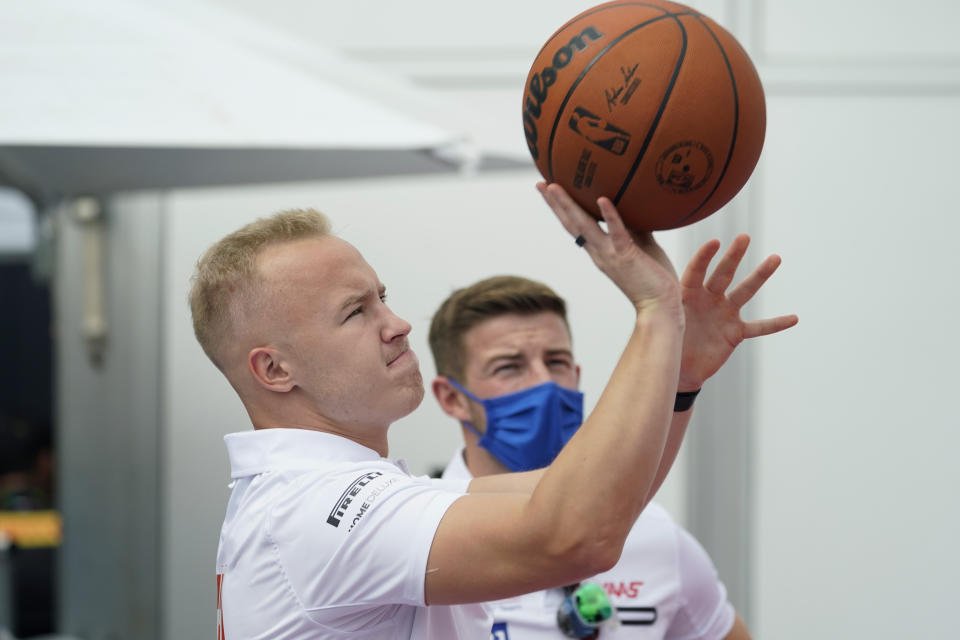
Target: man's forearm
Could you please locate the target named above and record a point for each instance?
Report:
(678, 429)
(616, 454)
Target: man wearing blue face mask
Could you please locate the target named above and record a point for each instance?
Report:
(526, 430)
(507, 373)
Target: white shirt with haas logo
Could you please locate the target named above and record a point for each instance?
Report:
(664, 587)
(323, 538)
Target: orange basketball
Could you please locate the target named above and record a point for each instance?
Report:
(651, 104)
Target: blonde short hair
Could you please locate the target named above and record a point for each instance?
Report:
(226, 278)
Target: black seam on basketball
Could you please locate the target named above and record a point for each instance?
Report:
(589, 65)
(656, 119)
(736, 125)
(576, 83)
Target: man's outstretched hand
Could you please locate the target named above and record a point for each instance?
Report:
(714, 327)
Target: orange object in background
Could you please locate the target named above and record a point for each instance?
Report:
(28, 529)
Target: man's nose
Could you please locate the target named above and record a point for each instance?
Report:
(539, 373)
(394, 327)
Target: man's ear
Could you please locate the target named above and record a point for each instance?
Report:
(270, 369)
(453, 403)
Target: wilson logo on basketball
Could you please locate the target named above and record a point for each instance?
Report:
(541, 82)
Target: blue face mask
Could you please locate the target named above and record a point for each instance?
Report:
(527, 429)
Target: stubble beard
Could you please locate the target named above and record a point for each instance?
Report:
(415, 387)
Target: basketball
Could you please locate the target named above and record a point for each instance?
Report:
(651, 104)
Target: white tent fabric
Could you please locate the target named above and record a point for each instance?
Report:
(106, 95)
(105, 72)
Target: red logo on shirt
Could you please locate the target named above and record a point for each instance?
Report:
(220, 635)
(623, 589)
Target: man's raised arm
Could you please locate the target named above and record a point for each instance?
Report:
(574, 523)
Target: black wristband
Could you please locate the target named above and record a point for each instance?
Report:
(684, 400)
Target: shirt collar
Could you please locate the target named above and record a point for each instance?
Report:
(457, 468)
(260, 450)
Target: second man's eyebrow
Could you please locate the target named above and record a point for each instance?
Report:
(511, 355)
(494, 360)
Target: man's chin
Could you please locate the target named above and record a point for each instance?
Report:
(416, 393)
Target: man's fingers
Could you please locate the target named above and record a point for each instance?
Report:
(722, 276)
(759, 328)
(696, 269)
(744, 291)
(558, 206)
(617, 231)
(574, 219)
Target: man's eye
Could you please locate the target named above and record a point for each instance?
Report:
(355, 312)
(383, 297)
(560, 364)
(505, 367)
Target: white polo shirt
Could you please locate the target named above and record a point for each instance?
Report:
(323, 538)
(664, 587)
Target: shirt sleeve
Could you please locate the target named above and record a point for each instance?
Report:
(362, 541)
(457, 485)
(704, 612)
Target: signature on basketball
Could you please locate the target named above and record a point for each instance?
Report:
(622, 93)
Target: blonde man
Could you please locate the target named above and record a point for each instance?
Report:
(325, 537)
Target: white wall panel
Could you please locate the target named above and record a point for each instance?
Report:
(108, 419)
(417, 25)
(887, 32)
(857, 517)
(435, 42)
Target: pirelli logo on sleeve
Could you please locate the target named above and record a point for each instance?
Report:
(348, 496)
